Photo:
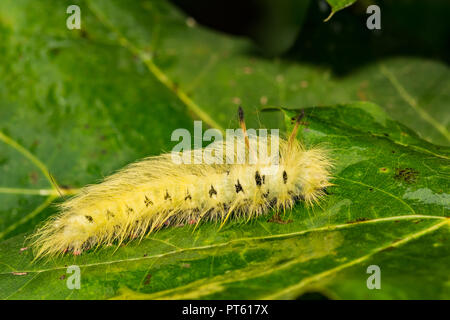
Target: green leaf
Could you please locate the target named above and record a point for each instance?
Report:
(81, 104)
(337, 5)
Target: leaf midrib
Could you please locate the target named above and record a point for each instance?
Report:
(198, 284)
(326, 273)
(261, 238)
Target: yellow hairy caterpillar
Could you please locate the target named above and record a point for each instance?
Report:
(157, 192)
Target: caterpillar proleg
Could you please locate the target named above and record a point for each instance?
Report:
(156, 192)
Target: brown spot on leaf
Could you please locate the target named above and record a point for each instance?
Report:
(277, 219)
(84, 34)
(34, 177)
(358, 220)
(408, 175)
(148, 277)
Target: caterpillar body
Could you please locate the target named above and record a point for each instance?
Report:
(156, 192)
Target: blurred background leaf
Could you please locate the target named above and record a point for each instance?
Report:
(273, 25)
(413, 39)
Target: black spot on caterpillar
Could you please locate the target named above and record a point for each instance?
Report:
(238, 187)
(212, 191)
(147, 201)
(258, 179)
(284, 177)
(153, 193)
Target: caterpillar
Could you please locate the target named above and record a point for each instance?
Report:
(155, 192)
